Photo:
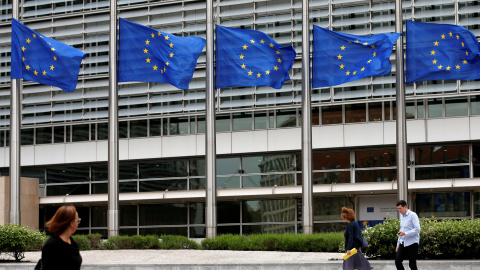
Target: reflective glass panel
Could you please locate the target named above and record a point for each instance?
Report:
(331, 177)
(155, 127)
(197, 213)
(286, 118)
(375, 175)
(128, 215)
(100, 172)
(67, 174)
(43, 135)
(375, 111)
(355, 113)
(457, 106)
(331, 160)
(222, 123)
(163, 214)
(138, 128)
(27, 136)
(228, 212)
(198, 232)
(197, 167)
(454, 204)
(102, 131)
(268, 228)
(128, 171)
(260, 119)
(269, 163)
(375, 158)
(329, 208)
(197, 183)
(435, 108)
(228, 182)
(165, 231)
(62, 190)
(228, 166)
(34, 173)
(475, 105)
(99, 216)
(161, 185)
(442, 172)
(80, 133)
(268, 180)
(330, 227)
(441, 154)
(163, 169)
(179, 125)
(242, 121)
(269, 211)
(331, 115)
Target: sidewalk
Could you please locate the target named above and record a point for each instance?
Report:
(223, 259)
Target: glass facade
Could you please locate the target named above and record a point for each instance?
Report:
(51, 117)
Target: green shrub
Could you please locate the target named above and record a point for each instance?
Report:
(15, 240)
(95, 240)
(118, 242)
(327, 242)
(82, 241)
(177, 242)
(152, 241)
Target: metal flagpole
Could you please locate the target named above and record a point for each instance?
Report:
(307, 211)
(210, 151)
(15, 144)
(401, 122)
(113, 167)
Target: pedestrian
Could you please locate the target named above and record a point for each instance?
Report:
(353, 240)
(408, 237)
(61, 251)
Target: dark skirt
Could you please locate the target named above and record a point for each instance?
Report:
(357, 261)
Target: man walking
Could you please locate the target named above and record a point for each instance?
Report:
(408, 237)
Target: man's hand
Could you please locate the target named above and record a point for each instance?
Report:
(400, 233)
(396, 250)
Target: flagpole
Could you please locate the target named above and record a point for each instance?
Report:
(307, 210)
(113, 164)
(210, 140)
(401, 122)
(15, 143)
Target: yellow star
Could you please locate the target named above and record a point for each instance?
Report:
(145, 51)
(54, 58)
(252, 41)
(349, 42)
(369, 61)
(348, 72)
(374, 54)
(440, 67)
(267, 72)
(167, 64)
(52, 67)
(357, 41)
(434, 61)
(457, 66)
(23, 58)
(262, 41)
(448, 68)
(271, 45)
(432, 52)
(279, 60)
(355, 72)
(464, 61)
(466, 52)
(458, 37)
(165, 70)
(463, 44)
(365, 223)
(443, 36)
(153, 35)
(35, 72)
(155, 67)
(148, 60)
(167, 37)
(161, 70)
(34, 36)
(27, 67)
(343, 48)
(258, 75)
(450, 34)
(28, 40)
(278, 52)
(159, 34)
(339, 57)
(171, 55)
(245, 46)
(435, 43)
(363, 68)
(244, 66)
(373, 46)
(53, 49)
(342, 66)
(44, 73)
(148, 41)
(241, 56)
(171, 45)
(365, 43)
(23, 49)
(275, 67)
(250, 73)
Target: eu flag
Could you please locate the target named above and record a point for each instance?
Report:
(441, 52)
(251, 58)
(41, 59)
(340, 58)
(148, 55)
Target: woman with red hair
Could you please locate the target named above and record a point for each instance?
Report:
(60, 251)
(353, 240)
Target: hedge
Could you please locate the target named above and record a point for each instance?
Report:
(15, 240)
(326, 242)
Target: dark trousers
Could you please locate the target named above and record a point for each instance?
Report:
(409, 253)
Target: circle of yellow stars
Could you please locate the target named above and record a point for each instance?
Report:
(147, 43)
(267, 72)
(355, 72)
(433, 53)
(25, 47)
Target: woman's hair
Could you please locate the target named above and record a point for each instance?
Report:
(348, 213)
(61, 220)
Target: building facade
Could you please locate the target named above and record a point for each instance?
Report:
(258, 129)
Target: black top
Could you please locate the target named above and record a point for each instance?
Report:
(57, 254)
(351, 234)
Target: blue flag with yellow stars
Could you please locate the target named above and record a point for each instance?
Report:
(251, 58)
(441, 52)
(340, 58)
(148, 55)
(41, 59)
